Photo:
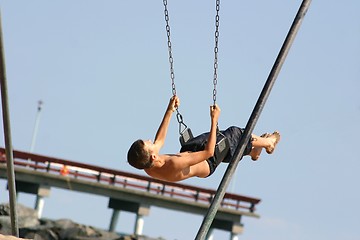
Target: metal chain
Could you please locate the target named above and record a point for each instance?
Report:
(216, 49)
(182, 125)
(171, 60)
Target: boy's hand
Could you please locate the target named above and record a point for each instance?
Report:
(215, 112)
(174, 103)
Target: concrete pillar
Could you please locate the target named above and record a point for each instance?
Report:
(139, 224)
(39, 205)
(234, 227)
(234, 236)
(41, 191)
(114, 219)
(209, 235)
(139, 209)
(237, 229)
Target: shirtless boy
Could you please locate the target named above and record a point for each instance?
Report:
(145, 154)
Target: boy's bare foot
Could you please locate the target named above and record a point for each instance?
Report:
(256, 151)
(276, 138)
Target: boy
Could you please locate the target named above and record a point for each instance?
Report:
(144, 154)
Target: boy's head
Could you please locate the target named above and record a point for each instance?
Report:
(139, 156)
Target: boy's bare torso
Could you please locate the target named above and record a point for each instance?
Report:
(173, 170)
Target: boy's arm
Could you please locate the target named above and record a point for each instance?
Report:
(162, 131)
(214, 113)
(193, 158)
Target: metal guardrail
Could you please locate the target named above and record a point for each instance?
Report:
(126, 180)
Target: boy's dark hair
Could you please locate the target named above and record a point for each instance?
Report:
(138, 156)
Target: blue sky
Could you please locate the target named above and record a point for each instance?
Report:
(101, 68)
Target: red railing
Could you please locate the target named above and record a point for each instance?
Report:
(125, 180)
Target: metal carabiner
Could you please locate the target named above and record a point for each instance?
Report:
(182, 125)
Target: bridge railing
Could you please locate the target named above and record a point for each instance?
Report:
(126, 180)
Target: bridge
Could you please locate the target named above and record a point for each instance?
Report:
(36, 174)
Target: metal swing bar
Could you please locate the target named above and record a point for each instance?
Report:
(8, 142)
(209, 217)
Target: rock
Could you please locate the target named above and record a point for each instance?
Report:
(38, 234)
(65, 229)
(5, 225)
(30, 227)
(27, 217)
(4, 237)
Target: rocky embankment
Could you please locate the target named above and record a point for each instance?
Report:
(30, 227)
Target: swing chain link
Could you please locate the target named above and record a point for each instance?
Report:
(216, 49)
(182, 125)
(171, 60)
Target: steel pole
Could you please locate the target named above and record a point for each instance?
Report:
(209, 217)
(8, 142)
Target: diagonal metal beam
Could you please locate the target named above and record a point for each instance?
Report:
(8, 142)
(209, 217)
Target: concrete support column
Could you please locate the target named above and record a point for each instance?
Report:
(139, 209)
(41, 192)
(233, 227)
(114, 219)
(139, 224)
(234, 236)
(209, 235)
(39, 205)
(237, 229)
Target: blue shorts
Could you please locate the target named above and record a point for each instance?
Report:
(233, 134)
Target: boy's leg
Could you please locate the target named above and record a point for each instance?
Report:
(267, 141)
(256, 151)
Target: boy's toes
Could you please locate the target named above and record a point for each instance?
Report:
(276, 136)
(264, 135)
